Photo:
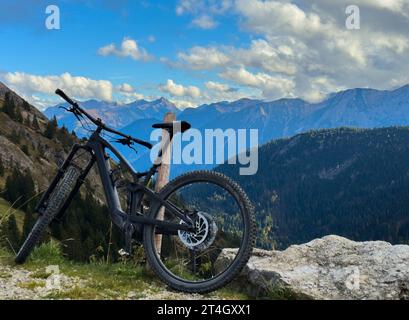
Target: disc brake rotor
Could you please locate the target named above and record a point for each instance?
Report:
(204, 236)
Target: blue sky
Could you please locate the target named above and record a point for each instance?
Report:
(200, 51)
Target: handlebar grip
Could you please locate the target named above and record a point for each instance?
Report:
(65, 97)
(143, 143)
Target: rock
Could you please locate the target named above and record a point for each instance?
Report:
(17, 283)
(131, 295)
(329, 268)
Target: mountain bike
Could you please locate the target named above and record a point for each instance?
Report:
(183, 228)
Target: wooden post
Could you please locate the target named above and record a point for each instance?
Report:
(164, 171)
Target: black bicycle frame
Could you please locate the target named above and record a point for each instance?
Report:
(97, 146)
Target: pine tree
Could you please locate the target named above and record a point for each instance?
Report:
(35, 123)
(19, 117)
(20, 188)
(1, 167)
(15, 137)
(26, 105)
(24, 148)
(51, 128)
(10, 192)
(9, 107)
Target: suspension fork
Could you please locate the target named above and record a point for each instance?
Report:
(42, 205)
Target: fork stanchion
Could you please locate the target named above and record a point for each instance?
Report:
(164, 171)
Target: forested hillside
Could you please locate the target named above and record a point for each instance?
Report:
(30, 149)
(349, 182)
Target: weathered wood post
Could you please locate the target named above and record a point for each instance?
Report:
(164, 171)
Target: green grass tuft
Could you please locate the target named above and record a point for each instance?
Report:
(31, 285)
(48, 253)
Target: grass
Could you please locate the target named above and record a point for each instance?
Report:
(99, 280)
(6, 257)
(31, 285)
(40, 274)
(5, 208)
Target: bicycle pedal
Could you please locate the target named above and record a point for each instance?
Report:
(123, 253)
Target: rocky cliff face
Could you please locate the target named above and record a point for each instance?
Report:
(328, 268)
(26, 147)
(40, 153)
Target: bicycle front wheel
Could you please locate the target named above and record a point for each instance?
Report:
(224, 220)
(55, 203)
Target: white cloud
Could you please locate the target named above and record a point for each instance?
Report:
(151, 38)
(40, 90)
(126, 88)
(271, 86)
(183, 104)
(127, 93)
(305, 47)
(178, 90)
(201, 58)
(129, 49)
(79, 87)
(127, 97)
(400, 7)
(204, 22)
(214, 7)
(204, 11)
(217, 86)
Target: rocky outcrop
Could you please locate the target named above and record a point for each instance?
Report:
(329, 268)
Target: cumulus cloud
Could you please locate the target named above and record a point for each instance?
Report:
(178, 90)
(80, 87)
(40, 90)
(303, 48)
(205, 22)
(183, 104)
(271, 86)
(399, 7)
(127, 97)
(129, 49)
(125, 87)
(214, 7)
(204, 11)
(202, 58)
(217, 86)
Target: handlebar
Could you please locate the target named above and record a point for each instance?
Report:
(98, 122)
(65, 97)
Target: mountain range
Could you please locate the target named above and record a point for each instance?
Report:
(359, 108)
(363, 108)
(114, 114)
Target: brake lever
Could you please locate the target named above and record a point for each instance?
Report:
(74, 111)
(126, 142)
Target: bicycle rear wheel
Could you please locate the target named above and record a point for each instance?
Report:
(224, 220)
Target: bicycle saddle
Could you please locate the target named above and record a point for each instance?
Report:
(184, 126)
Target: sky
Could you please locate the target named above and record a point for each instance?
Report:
(201, 51)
